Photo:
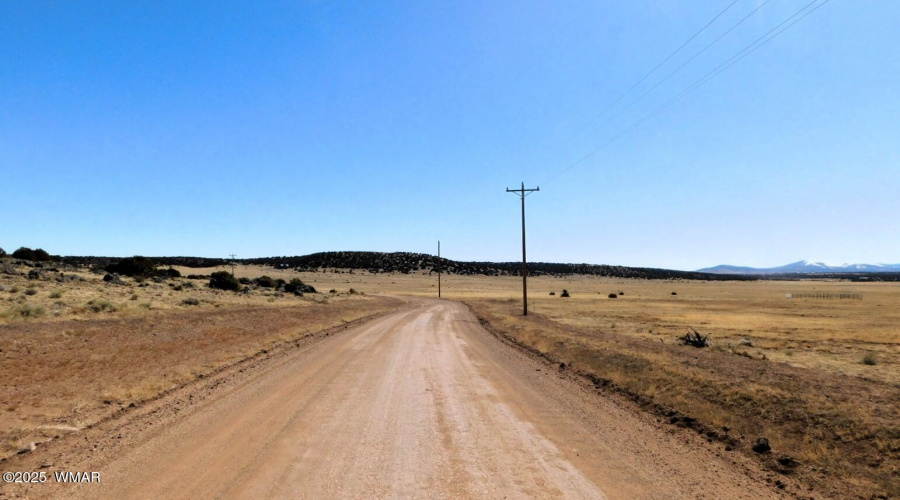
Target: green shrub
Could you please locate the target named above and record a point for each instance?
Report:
(169, 273)
(223, 280)
(2, 252)
(133, 266)
(56, 294)
(190, 301)
(31, 291)
(37, 255)
(298, 287)
(265, 282)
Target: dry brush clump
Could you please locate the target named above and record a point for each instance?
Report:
(101, 305)
(24, 311)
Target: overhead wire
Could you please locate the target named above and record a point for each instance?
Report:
(647, 75)
(695, 56)
(747, 50)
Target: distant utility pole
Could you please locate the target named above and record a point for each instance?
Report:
(522, 193)
(232, 264)
(439, 268)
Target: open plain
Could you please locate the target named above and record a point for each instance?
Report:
(588, 396)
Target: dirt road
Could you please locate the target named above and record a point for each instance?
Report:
(422, 403)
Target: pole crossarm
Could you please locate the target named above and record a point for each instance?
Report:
(522, 191)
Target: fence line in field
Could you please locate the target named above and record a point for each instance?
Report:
(825, 296)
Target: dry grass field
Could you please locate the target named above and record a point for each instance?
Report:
(819, 378)
(87, 348)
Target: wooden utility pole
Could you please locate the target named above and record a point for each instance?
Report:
(522, 193)
(232, 264)
(439, 268)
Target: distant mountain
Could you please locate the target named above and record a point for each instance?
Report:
(804, 267)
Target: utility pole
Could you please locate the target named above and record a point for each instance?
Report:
(232, 264)
(522, 193)
(439, 268)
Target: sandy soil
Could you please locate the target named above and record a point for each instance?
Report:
(419, 403)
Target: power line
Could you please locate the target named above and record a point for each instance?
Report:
(695, 56)
(670, 56)
(749, 49)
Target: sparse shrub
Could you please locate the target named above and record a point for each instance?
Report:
(621, 293)
(693, 338)
(169, 273)
(298, 287)
(31, 291)
(113, 278)
(56, 294)
(223, 280)
(761, 446)
(178, 288)
(14, 289)
(352, 291)
(265, 282)
(552, 293)
(870, 359)
(332, 291)
(30, 311)
(134, 296)
(244, 281)
(37, 255)
(613, 296)
(133, 266)
(295, 286)
(190, 301)
(198, 276)
(102, 305)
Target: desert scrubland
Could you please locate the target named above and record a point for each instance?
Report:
(75, 350)
(817, 376)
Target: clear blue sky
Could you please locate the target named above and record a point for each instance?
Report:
(192, 128)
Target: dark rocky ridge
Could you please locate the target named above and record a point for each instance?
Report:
(408, 262)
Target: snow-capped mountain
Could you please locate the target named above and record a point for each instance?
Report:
(805, 266)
